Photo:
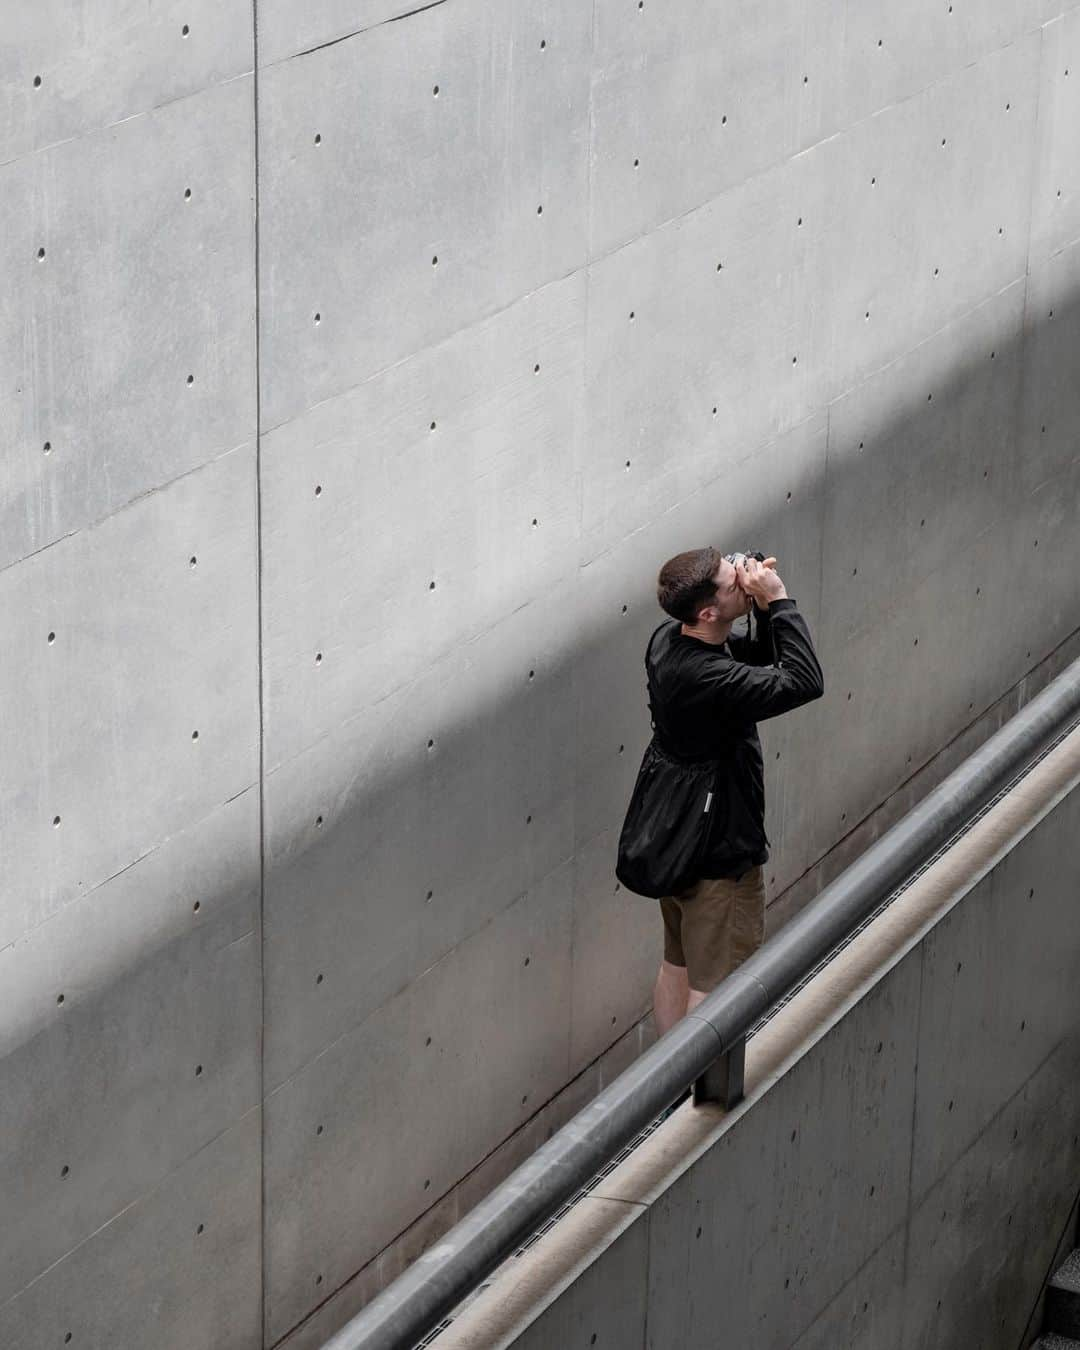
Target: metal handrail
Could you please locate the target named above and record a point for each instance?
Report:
(715, 1031)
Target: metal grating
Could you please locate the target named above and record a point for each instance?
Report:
(639, 1139)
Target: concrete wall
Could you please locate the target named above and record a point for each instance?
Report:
(905, 1165)
(346, 424)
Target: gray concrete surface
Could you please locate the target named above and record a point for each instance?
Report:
(396, 566)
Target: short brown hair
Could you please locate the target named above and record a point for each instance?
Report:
(687, 583)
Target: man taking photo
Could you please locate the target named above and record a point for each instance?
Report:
(696, 818)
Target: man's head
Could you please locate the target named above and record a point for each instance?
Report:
(701, 587)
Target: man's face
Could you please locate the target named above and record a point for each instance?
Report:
(731, 600)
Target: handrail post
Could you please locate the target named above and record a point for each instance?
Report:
(723, 1080)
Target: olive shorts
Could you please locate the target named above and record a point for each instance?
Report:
(714, 925)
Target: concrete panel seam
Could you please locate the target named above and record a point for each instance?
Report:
(91, 890)
(914, 1201)
(911, 1141)
(138, 1200)
(124, 506)
(393, 18)
(131, 117)
(260, 685)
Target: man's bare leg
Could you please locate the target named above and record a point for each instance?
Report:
(669, 996)
(693, 998)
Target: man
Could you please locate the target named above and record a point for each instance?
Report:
(712, 688)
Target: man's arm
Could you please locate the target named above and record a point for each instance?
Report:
(750, 693)
(759, 649)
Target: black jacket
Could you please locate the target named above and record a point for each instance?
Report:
(708, 699)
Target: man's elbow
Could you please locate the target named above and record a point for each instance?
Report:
(815, 689)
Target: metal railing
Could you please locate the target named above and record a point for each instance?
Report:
(706, 1048)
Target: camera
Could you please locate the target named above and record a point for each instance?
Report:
(736, 558)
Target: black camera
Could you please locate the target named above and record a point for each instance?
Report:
(736, 558)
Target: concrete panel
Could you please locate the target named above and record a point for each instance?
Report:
(485, 506)
(911, 230)
(770, 1223)
(417, 847)
(867, 1313)
(1000, 972)
(65, 72)
(139, 288)
(413, 1099)
(887, 670)
(1055, 203)
(495, 188)
(177, 1270)
(982, 1239)
(97, 731)
(1050, 413)
(130, 1037)
(920, 460)
(676, 123)
(877, 54)
(702, 373)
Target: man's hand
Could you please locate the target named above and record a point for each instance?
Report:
(760, 580)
